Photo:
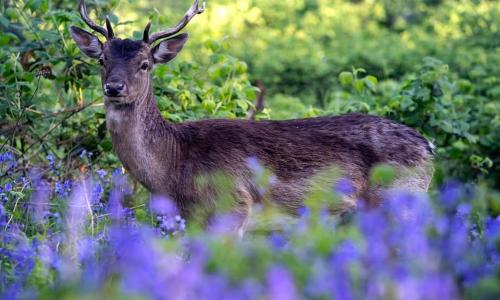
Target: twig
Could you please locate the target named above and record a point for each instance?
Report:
(40, 139)
(259, 102)
(21, 114)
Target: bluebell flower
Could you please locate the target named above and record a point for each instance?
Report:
(63, 189)
(7, 156)
(278, 241)
(83, 153)
(117, 172)
(59, 189)
(51, 158)
(97, 193)
(344, 186)
(40, 201)
(255, 166)
(280, 284)
(163, 206)
(450, 193)
(25, 181)
(303, 211)
(101, 173)
(8, 187)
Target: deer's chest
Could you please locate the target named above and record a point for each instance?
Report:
(136, 154)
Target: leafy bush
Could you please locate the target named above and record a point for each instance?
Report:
(52, 100)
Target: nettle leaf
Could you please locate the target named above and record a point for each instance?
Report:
(346, 78)
(371, 82)
(406, 103)
(359, 86)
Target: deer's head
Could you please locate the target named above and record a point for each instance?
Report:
(126, 64)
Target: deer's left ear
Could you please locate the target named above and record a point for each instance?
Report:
(168, 49)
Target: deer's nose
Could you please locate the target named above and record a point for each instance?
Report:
(115, 89)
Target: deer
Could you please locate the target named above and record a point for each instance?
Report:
(166, 158)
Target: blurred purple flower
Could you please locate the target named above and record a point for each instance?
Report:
(344, 186)
(450, 193)
(137, 259)
(97, 193)
(7, 156)
(280, 284)
(8, 187)
(40, 201)
(277, 240)
(228, 223)
(255, 166)
(52, 159)
(101, 173)
(163, 206)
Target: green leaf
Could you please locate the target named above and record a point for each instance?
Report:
(382, 175)
(346, 78)
(359, 85)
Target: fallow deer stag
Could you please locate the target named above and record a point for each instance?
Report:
(166, 158)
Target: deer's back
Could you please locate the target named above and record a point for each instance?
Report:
(297, 146)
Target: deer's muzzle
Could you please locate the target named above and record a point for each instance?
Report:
(115, 89)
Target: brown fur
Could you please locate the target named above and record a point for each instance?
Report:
(167, 158)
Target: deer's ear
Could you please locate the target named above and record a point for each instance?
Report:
(87, 42)
(168, 49)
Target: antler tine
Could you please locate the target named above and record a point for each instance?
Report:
(145, 36)
(109, 28)
(193, 11)
(83, 12)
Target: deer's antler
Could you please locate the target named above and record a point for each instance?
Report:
(193, 11)
(108, 34)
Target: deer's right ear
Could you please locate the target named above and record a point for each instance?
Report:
(87, 42)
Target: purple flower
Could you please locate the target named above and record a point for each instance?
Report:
(169, 226)
(97, 193)
(7, 156)
(280, 284)
(450, 193)
(51, 158)
(63, 189)
(101, 173)
(40, 201)
(163, 206)
(8, 187)
(225, 223)
(255, 166)
(344, 187)
(277, 241)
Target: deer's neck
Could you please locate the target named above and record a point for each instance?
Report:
(145, 143)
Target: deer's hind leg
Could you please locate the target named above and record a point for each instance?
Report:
(415, 180)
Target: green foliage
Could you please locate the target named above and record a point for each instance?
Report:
(319, 58)
(51, 93)
(314, 58)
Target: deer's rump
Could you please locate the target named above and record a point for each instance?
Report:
(295, 150)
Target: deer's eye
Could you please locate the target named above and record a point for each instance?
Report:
(145, 65)
(101, 61)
